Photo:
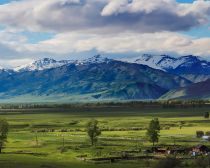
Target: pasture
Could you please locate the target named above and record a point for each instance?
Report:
(53, 138)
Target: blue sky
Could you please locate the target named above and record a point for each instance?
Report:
(6, 1)
(35, 37)
(199, 32)
(185, 1)
(65, 29)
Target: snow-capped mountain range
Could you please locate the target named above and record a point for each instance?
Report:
(193, 68)
(167, 63)
(94, 79)
(162, 62)
(97, 78)
(48, 63)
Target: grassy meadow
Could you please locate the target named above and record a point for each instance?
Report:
(53, 138)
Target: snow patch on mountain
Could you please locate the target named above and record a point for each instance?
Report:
(45, 63)
(165, 62)
(148, 60)
(161, 62)
(95, 60)
(48, 63)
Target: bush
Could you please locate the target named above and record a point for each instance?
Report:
(42, 130)
(168, 163)
(199, 134)
(208, 133)
(63, 149)
(167, 128)
(206, 115)
(74, 122)
(64, 130)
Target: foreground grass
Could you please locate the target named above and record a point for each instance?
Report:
(23, 151)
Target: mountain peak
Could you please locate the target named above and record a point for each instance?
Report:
(47, 60)
(45, 63)
(166, 62)
(153, 61)
(48, 63)
(96, 59)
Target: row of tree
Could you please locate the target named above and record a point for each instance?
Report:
(167, 103)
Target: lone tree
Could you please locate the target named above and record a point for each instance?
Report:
(93, 131)
(153, 131)
(206, 115)
(4, 128)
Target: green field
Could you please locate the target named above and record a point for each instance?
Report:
(67, 129)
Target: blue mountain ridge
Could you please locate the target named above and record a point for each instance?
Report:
(97, 80)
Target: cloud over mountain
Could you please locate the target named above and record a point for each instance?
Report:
(111, 16)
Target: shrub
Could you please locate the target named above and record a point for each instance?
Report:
(206, 115)
(74, 122)
(167, 128)
(64, 130)
(63, 149)
(42, 130)
(199, 134)
(78, 130)
(208, 133)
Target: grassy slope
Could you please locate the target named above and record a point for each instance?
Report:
(194, 91)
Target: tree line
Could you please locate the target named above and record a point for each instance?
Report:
(155, 103)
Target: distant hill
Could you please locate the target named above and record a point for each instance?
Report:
(194, 91)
